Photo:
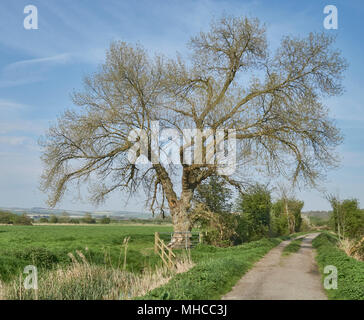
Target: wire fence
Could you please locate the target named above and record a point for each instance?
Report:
(185, 240)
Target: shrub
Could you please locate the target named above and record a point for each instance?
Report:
(254, 206)
(218, 228)
(53, 219)
(286, 213)
(346, 218)
(22, 220)
(88, 219)
(305, 226)
(11, 218)
(6, 217)
(40, 257)
(279, 223)
(242, 229)
(105, 220)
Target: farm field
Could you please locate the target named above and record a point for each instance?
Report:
(46, 246)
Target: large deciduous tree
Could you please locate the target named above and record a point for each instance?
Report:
(273, 101)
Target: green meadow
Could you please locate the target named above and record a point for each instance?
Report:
(47, 246)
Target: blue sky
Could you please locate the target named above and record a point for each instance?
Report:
(40, 68)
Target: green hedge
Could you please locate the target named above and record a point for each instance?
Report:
(215, 273)
(350, 271)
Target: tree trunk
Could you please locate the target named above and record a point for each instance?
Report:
(290, 219)
(181, 226)
(179, 208)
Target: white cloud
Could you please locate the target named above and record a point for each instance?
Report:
(57, 59)
(19, 143)
(10, 105)
(36, 127)
(30, 70)
(13, 141)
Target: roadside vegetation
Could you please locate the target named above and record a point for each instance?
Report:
(216, 271)
(253, 215)
(343, 247)
(350, 271)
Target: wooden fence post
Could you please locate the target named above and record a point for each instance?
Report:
(156, 239)
(165, 253)
(170, 258)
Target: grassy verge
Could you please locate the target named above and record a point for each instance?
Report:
(216, 271)
(350, 271)
(293, 247)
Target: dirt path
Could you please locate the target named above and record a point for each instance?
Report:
(275, 277)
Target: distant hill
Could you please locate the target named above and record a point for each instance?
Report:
(45, 212)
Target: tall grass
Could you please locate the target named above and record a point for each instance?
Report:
(352, 247)
(85, 281)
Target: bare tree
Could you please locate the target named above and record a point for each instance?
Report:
(338, 214)
(231, 81)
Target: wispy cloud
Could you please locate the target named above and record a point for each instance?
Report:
(32, 127)
(57, 59)
(8, 105)
(14, 141)
(30, 70)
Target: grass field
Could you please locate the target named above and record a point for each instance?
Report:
(47, 246)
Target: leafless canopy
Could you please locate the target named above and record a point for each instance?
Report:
(230, 81)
